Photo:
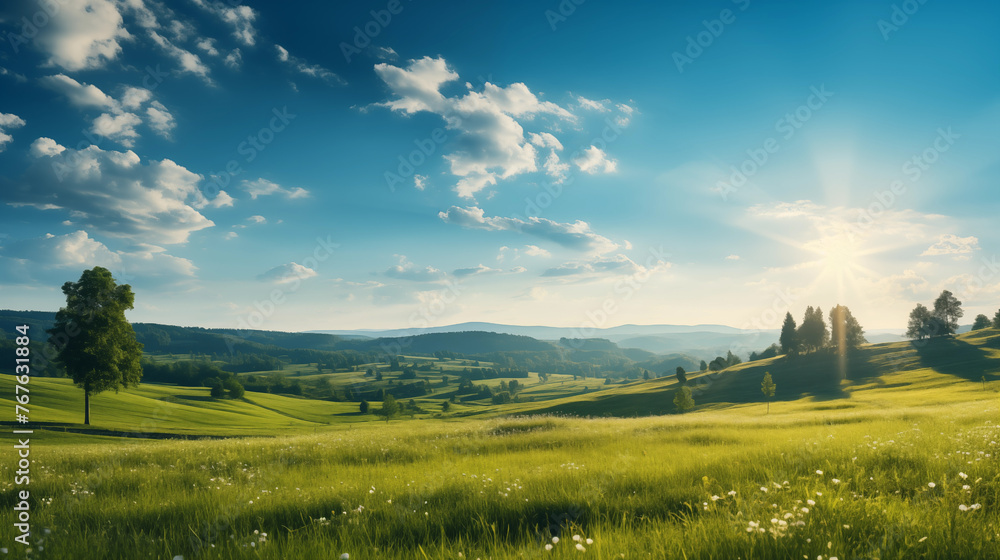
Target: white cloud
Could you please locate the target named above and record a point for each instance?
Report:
(545, 140)
(222, 200)
(113, 192)
(406, 270)
(160, 119)
(285, 273)
(234, 59)
(257, 220)
(576, 235)
(118, 122)
(207, 46)
(385, 53)
(589, 104)
(81, 34)
(83, 96)
(45, 147)
(952, 245)
(617, 264)
(263, 187)
(188, 61)
(536, 251)
(594, 160)
(240, 17)
(491, 144)
(8, 121)
(231, 235)
(480, 269)
(301, 66)
(733, 258)
(134, 97)
(119, 127)
(419, 181)
(54, 258)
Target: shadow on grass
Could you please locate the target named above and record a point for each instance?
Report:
(956, 357)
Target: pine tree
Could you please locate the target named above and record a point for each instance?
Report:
(789, 337)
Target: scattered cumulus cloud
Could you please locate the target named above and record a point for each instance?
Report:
(286, 273)
(406, 270)
(113, 192)
(303, 67)
(187, 60)
(7, 122)
(576, 235)
(952, 245)
(478, 270)
(594, 160)
(239, 17)
(81, 34)
(263, 187)
(491, 144)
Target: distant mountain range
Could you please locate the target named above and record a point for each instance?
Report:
(703, 341)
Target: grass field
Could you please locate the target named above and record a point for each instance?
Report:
(900, 461)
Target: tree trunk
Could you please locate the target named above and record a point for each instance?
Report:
(86, 406)
(768, 407)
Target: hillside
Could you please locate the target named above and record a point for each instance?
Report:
(822, 376)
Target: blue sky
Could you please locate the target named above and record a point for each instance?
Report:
(565, 164)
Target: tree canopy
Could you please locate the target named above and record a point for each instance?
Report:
(767, 387)
(845, 331)
(981, 322)
(95, 342)
(812, 333)
(789, 339)
(683, 400)
(948, 310)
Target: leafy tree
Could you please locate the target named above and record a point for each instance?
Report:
(218, 391)
(369, 372)
(718, 364)
(683, 400)
(364, 407)
(235, 388)
(996, 320)
(445, 406)
(789, 338)
(378, 375)
(704, 366)
(390, 407)
(981, 322)
(920, 322)
(394, 365)
(767, 387)
(812, 333)
(732, 359)
(681, 375)
(95, 342)
(948, 310)
(645, 375)
(845, 331)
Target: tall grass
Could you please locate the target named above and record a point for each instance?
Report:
(893, 477)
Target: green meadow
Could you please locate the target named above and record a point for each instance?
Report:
(892, 453)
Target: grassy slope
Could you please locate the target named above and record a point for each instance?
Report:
(868, 375)
(819, 377)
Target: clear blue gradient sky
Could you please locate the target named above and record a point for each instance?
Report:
(399, 164)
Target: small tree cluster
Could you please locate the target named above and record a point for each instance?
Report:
(943, 321)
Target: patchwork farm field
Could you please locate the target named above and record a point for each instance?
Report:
(904, 466)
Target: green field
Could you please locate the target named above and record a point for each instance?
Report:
(891, 455)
